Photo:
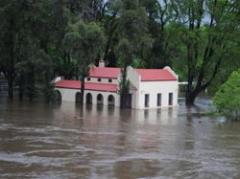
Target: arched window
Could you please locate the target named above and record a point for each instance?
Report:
(89, 98)
(78, 97)
(111, 100)
(99, 99)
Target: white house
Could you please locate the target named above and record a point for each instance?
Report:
(149, 88)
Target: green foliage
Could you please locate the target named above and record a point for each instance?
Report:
(125, 52)
(20, 44)
(227, 98)
(207, 41)
(84, 42)
(133, 38)
(138, 63)
(42, 39)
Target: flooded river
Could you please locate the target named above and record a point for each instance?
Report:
(47, 141)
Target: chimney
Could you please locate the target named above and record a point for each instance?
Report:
(101, 63)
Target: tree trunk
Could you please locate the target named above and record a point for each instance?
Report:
(31, 85)
(82, 89)
(192, 95)
(124, 88)
(21, 87)
(20, 92)
(110, 37)
(10, 87)
(122, 104)
(190, 98)
(189, 93)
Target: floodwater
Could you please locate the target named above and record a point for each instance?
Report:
(50, 141)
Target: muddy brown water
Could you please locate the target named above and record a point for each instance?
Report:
(52, 141)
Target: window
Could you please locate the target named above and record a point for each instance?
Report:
(99, 79)
(159, 99)
(110, 80)
(89, 98)
(89, 79)
(170, 99)
(111, 100)
(146, 100)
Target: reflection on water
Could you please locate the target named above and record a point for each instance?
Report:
(69, 141)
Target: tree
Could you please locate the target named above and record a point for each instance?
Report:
(110, 22)
(133, 37)
(206, 30)
(160, 17)
(192, 36)
(84, 41)
(89, 10)
(227, 98)
(125, 53)
(22, 28)
(8, 32)
(15, 29)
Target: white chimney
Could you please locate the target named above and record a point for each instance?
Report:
(101, 63)
(57, 79)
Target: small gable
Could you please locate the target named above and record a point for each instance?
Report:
(104, 72)
(156, 75)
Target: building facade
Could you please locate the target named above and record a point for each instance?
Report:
(149, 88)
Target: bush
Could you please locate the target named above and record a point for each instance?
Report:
(227, 98)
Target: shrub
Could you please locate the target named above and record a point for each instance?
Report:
(227, 98)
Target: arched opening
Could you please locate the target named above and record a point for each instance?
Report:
(99, 99)
(111, 100)
(78, 97)
(89, 98)
(57, 97)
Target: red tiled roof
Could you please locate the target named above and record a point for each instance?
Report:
(104, 72)
(156, 75)
(146, 74)
(75, 84)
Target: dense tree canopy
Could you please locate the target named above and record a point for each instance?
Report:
(207, 37)
(199, 39)
(84, 43)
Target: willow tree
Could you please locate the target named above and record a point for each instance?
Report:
(84, 41)
(207, 29)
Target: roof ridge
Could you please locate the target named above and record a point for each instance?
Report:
(150, 69)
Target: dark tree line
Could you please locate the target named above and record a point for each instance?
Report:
(42, 39)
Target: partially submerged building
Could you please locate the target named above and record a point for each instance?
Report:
(149, 88)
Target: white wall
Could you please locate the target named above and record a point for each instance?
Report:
(105, 97)
(70, 95)
(153, 88)
(133, 76)
(134, 79)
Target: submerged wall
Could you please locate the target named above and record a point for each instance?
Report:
(71, 95)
